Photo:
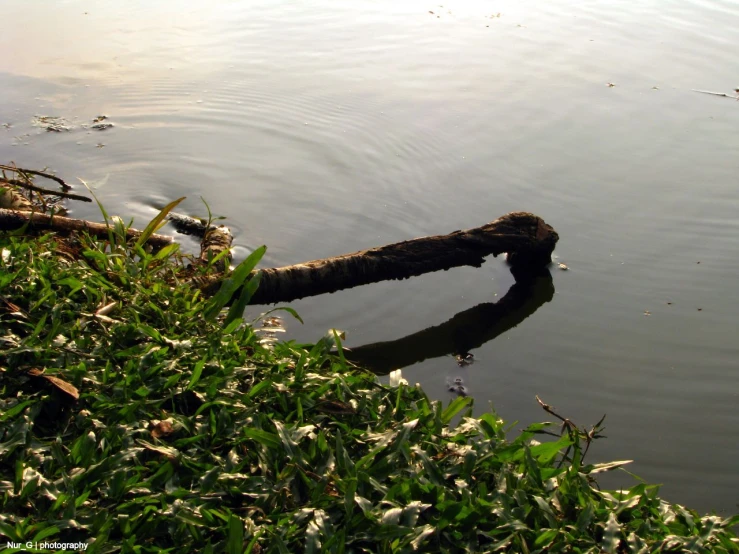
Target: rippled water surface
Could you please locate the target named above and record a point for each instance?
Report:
(324, 127)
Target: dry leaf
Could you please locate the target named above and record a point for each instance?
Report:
(162, 429)
(60, 384)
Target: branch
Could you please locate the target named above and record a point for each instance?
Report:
(528, 241)
(12, 219)
(31, 186)
(39, 173)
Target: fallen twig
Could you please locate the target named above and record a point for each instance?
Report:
(31, 186)
(13, 219)
(39, 173)
(579, 433)
(717, 93)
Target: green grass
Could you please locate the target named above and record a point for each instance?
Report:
(191, 434)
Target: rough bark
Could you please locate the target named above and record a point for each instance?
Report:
(11, 219)
(215, 241)
(524, 236)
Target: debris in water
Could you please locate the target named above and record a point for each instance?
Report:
(718, 93)
(52, 123)
(464, 360)
(610, 85)
(456, 385)
(647, 312)
(563, 267)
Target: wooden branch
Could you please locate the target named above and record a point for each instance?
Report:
(187, 225)
(215, 241)
(39, 173)
(31, 186)
(528, 241)
(12, 219)
(718, 93)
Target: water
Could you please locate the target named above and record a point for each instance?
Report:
(326, 128)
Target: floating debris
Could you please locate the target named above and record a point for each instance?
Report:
(52, 123)
(457, 386)
(464, 360)
(718, 93)
(563, 267)
(610, 85)
(647, 312)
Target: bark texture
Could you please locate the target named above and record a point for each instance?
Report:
(11, 219)
(524, 236)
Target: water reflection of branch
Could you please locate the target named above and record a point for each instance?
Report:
(466, 330)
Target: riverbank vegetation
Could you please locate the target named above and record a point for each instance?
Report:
(138, 415)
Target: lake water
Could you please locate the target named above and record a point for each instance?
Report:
(327, 127)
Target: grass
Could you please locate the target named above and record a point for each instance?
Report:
(136, 416)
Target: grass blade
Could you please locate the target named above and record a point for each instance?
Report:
(247, 291)
(231, 284)
(154, 223)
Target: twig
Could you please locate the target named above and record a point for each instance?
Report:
(35, 188)
(550, 410)
(580, 434)
(715, 93)
(39, 173)
(11, 219)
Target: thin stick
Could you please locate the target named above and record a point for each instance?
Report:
(584, 434)
(39, 173)
(715, 93)
(35, 188)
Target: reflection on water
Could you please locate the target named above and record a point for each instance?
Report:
(330, 127)
(464, 332)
